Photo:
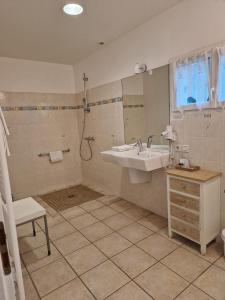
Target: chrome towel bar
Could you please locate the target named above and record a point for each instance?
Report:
(47, 154)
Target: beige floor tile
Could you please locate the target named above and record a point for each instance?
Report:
(74, 290)
(24, 270)
(157, 246)
(96, 231)
(31, 242)
(108, 200)
(133, 261)
(112, 244)
(135, 232)
(221, 263)
(121, 205)
(130, 292)
(214, 250)
(104, 280)
(91, 205)
(212, 282)
(178, 239)
(103, 212)
(154, 222)
(26, 230)
(136, 213)
(52, 276)
(60, 230)
(161, 283)
(184, 263)
(118, 221)
(71, 243)
(73, 212)
(52, 221)
(85, 259)
(83, 221)
(193, 293)
(30, 292)
(39, 257)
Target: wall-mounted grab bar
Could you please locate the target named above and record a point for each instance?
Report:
(47, 153)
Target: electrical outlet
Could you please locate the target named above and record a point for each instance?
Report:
(185, 148)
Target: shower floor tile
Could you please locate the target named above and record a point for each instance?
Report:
(70, 197)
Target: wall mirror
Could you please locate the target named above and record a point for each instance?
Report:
(146, 107)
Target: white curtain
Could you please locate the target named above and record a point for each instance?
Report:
(220, 79)
(191, 80)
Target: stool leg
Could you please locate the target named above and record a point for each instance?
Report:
(34, 230)
(47, 235)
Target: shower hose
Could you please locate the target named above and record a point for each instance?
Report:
(82, 141)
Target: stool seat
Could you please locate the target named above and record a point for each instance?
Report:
(27, 209)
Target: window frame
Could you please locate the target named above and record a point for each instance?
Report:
(212, 78)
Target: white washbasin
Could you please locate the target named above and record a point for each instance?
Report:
(147, 160)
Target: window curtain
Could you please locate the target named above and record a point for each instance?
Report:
(220, 82)
(191, 78)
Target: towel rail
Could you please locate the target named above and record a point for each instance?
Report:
(48, 153)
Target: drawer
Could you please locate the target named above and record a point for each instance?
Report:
(186, 230)
(184, 215)
(185, 201)
(191, 188)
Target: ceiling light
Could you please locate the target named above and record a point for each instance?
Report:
(73, 9)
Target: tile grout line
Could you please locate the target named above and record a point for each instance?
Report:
(110, 258)
(107, 258)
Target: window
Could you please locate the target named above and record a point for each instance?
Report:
(192, 81)
(221, 75)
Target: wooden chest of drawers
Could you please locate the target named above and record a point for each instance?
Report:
(194, 205)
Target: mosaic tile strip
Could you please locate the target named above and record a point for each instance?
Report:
(52, 107)
(133, 106)
(102, 102)
(25, 108)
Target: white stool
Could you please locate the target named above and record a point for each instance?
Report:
(28, 210)
(223, 238)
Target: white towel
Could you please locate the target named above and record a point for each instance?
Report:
(122, 148)
(56, 156)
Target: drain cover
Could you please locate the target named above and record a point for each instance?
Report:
(71, 196)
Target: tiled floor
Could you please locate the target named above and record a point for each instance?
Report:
(110, 249)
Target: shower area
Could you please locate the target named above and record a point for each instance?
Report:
(83, 124)
(64, 199)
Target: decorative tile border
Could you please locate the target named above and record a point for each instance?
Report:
(31, 108)
(102, 102)
(133, 106)
(52, 107)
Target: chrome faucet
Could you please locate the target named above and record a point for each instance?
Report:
(140, 146)
(149, 142)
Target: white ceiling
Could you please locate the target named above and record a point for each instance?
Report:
(38, 30)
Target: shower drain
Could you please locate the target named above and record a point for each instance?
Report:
(71, 196)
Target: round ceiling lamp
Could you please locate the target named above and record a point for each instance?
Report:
(73, 9)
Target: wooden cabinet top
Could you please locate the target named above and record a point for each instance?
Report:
(199, 175)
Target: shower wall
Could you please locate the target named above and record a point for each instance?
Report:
(41, 122)
(105, 122)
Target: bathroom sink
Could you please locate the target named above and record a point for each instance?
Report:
(145, 161)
